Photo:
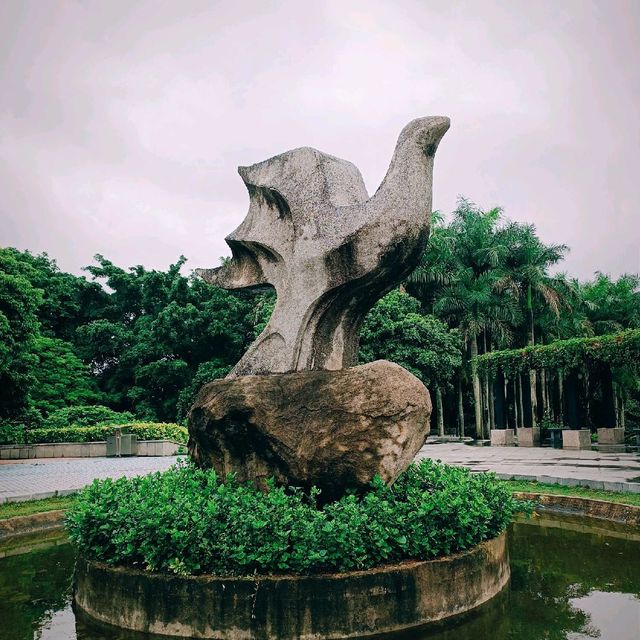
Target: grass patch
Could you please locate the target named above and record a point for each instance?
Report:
(578, 492)
(11, 509)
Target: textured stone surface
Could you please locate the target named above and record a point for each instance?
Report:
(332, 429)
(502, 437)
(329, 249)
(576, 439)
(347, 605)
(611, 435)
(529, 437)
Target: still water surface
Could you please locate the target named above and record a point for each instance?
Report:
(572, 579)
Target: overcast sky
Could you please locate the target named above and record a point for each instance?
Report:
(122, 122)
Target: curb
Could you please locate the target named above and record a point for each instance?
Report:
(601, 509)
(33, 523)
(603, 485)
(27, 497)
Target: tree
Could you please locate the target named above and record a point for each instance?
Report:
(526, 266)
(19, 330)
(67, 301)
(470, 300)
(396, 330)
(612, 305)
(60, 378)
(157, 329)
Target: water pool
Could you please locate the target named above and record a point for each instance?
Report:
(572, 578)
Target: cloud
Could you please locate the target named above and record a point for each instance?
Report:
(121, 125)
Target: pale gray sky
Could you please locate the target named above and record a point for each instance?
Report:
(122, 122)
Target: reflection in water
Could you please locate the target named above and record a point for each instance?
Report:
(572, 579)
(613, 615)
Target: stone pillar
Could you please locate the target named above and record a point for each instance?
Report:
(499, 402)
(611, 436)
(502, 438)
(529, 437)
(527, 406)
(576, 439)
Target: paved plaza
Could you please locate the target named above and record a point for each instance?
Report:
(594, 469)
(32, 479)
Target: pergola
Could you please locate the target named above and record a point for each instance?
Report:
(575, 381)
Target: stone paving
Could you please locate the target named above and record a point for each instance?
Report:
(35, 479)
(594, 469)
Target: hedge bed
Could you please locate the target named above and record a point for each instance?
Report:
(190, 522)
(144, 431)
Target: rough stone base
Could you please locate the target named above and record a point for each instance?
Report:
(347, 605)
(576, 439)
(331, 429)
(529, 437)
(611, 436)
(502, 438)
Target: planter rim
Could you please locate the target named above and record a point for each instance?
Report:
(277, 577)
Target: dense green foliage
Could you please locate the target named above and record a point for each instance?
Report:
(490, 279)
(136, 340)
(145, 341)
(188, 521)
(615, 349)
(85, 416)
(144, 431)
(396, 330)
(60, 378)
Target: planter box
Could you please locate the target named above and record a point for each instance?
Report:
(611, 436)
(157, 448)
(529, 437)
(502, 438)
(82, 450)
(354, 604)
(576, 439)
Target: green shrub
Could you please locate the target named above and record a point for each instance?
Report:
(144, 431)
(12, 433)
(188, 521)
(86, 416)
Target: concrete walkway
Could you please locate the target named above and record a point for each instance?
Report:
(594, 469)
(36, 479)
(33, 479)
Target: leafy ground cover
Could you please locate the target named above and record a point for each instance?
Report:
(579, 492)
(190, 521)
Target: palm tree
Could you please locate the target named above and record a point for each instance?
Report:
(467, 296)
(437, 265)
(526, 276)
(474, 306)
(612, 305)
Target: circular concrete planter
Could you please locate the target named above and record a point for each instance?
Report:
(347, 605)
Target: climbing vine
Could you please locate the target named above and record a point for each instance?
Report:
(617, 349)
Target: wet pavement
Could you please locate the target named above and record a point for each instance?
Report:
(594, 469)
(36, 479)
(33, 479)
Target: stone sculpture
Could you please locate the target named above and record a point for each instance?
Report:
(330, 251)
(330, 429)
